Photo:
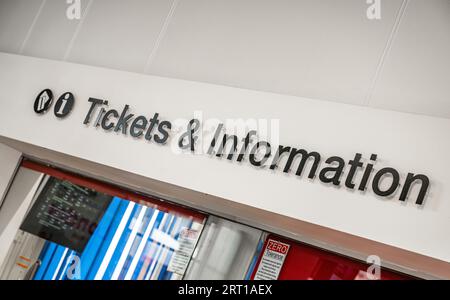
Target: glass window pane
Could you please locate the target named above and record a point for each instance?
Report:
(75, 232)
(225, 251)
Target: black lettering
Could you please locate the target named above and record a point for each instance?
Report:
(99, 117)
(105, 119)
(244, 147)
(410, 179)
(153, 121)
(355, 164)
(379, 176)
(266, 156)
(337, 170)
(165, 132)
(122, 124)
(214, 140)
(233, 149)
(138, 126)
(276, 159)
(367, 171)
(94, 103)
(305, 156)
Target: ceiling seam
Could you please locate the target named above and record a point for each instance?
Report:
(77, 31)
(33, 24)
(386, 50)
(161, 35)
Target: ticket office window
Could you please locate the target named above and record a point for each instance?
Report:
(77, 228)
(284, 259)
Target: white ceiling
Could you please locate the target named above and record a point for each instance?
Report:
(320, 49)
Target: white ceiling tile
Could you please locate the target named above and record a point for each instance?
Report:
(119, 34)
(16, 18)
(53, 31)
(416, 74)
(319, 49)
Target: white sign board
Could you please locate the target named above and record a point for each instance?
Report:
(272, 261)
(314, 125)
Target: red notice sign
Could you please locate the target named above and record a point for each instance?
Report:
(272, 260)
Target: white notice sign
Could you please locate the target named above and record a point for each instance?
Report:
(180, 259)
(272, 261)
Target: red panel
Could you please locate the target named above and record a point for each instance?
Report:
(112, 190)
(309, 263)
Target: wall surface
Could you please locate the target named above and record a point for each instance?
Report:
(9, 160)
(407, 142)
(15, 207)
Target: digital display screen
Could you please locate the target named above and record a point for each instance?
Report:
(66, 214)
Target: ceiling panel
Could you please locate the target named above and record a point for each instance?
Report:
(52, 31)
(16, 18)
(416, 74)
(119, 34)
(319, 49)
(323, 49)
